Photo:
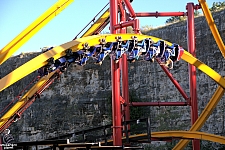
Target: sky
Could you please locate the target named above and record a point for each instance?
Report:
(16, 15)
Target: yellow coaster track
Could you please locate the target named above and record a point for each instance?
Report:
(76, 45)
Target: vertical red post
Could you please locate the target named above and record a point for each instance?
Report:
(115, 72)
(136, 27)
(1, 148)
(192, 70)
(124, 67)
(122, 15)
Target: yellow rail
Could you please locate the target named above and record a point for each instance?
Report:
(23, 100)
(75, 45)
(18, 105)
(212, 26)
(33, 28)
(203, 117)
(97, 24)
(56, 53)
(181, 134)
(190, 135)
(204, 68)
(219, 92)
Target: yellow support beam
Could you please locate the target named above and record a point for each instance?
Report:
(181, 134)
(203, 117)
(23, 100)
(212, 26)
(76, 45)
(32, 65)
(18, 105)
(204, 68)
(97, 24)
(191, 135)
(56, 53)
(33, 28)
(220, 91)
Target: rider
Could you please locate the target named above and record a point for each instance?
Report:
(172, 54)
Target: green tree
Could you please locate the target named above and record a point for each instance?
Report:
(181, 18)
(175, 19)
(216, 6)
(197, 13)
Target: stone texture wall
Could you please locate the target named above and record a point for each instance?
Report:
(208, 52)
(81, 97)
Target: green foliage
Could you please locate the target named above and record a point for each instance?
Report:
(197, 13)
(175, 19)
(216, 6)
(181, 18)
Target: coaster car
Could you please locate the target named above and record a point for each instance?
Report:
(171, 55)
(150, 54)
(119, 49)
(52, 65)
(133, 51)
(102, 51)
(82, 59)
(160, 45)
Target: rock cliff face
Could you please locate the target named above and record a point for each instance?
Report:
(81, 97)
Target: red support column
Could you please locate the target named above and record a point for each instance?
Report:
(122, 16)
(115, 72)
(136, 27)
(192, 70)
(1, 148)
(124, 67)
(113, 15)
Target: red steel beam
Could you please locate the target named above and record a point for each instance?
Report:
(116, 105)
(115, 72)
(138, 104)
(136, 26)
(130, 8)
(134, 23)
(177, 85)
(113, 15)
(124, 24)
(124, 68)
(1, 148)
(192, 69)
(160, 14)
(122, 16)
